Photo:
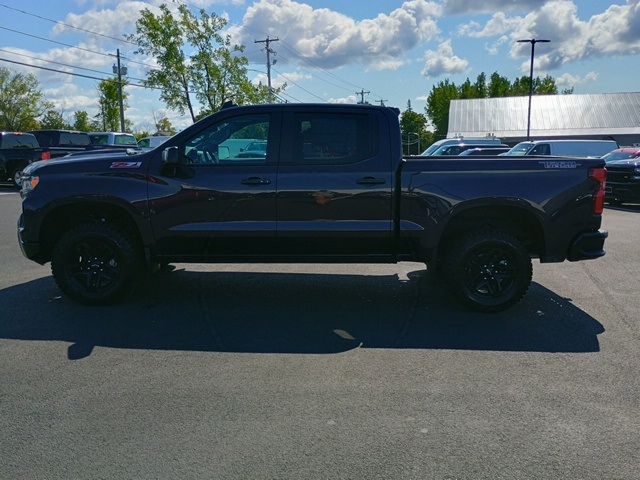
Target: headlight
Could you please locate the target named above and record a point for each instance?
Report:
(29, 183)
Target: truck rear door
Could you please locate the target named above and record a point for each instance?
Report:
(335, 183)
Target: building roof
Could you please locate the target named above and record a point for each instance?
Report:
(551, 115)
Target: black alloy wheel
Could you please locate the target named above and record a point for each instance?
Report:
(488, 271)
(94, 263)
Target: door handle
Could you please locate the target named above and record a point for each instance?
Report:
(256, 181)
(371, 181)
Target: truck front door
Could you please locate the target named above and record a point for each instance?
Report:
(220, 199)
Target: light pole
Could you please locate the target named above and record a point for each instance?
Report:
(533, 42)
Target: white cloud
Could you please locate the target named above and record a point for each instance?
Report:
(348, 99)
(616, 31)
(422, 98)
(497, 25)
(280, 79)
(332, 39)
(488, 6)
(568, 80)
(443, 61)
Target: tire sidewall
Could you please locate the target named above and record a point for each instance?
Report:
(461, 255)
(63, 253)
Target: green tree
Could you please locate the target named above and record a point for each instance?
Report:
(81, 121)
(415, 136)
(499, 86)
(213, 71)
(21, 101)
(109, 114)
(53, 119)
(163, 124)
(438, 105)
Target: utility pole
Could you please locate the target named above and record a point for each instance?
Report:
(533, 42)
(267, 41)
(120, 71)
(382, 102)
(362, 93)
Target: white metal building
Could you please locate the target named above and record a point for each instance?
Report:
(608, 116)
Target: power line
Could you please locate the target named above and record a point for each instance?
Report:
(58, 43)
(300, 86)
(110, 55)
(65, 64)
(128, 84)
(67, 25)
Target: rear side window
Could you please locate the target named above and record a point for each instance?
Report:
(333, 139)
(74, 138)
(18, 140)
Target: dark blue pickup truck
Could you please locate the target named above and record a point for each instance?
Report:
(332, 187)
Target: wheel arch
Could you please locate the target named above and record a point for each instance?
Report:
(73, 212)
(520, 221)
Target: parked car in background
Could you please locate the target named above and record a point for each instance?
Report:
(565, 148)
(458, 148)
(484, 151)
(623, 177)
(112, 139)
(59, 143)
(480, 142)
(254, 150)
(17, 150)
(153, 142)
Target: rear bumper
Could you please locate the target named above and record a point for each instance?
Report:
(587, 246)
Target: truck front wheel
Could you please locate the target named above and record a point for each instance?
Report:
(489, 271)
(94, 263)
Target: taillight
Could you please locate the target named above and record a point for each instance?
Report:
(45, 156)
(600, 176)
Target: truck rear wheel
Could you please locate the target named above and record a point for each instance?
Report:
(16, 178)
(94, 263)
(489, 271)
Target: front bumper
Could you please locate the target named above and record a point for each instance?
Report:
(623, 192)
(587, 246)
(30, 250)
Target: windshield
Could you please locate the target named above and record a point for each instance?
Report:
(125, 140)
(613, 156)
(431, 149)
(519, 150)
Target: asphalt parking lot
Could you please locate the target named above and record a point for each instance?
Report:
(322, 371)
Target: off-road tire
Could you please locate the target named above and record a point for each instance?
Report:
(488, 270)
(116, 254)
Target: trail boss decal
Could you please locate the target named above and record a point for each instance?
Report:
(560, 164)
(125, 165)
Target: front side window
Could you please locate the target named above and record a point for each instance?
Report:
(237, 141)
(541, 149)
(332, 139)
(145, 142)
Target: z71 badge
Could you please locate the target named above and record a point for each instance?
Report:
(125, 165)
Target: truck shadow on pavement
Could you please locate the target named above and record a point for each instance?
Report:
(293, 313)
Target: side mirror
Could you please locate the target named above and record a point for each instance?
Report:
(224, 152)
(170, 156)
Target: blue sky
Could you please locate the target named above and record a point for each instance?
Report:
(329, 49)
